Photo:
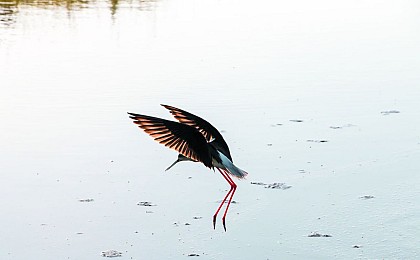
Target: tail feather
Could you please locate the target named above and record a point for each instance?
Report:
(231, 168)
(235, 171)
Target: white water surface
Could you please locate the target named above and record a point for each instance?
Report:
(323, 96)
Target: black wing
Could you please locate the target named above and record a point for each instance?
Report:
(208, 131)
(185, 139)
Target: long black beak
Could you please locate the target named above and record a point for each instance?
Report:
(177, 161)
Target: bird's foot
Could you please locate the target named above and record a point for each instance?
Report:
(214, 221)
(224, 223)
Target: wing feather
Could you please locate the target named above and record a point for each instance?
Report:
(205, 128)
(183, 138)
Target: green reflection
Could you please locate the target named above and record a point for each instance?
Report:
(10, 8)
(7, 11)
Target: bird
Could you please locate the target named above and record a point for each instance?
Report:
(195, 140)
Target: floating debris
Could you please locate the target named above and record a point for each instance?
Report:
(187, 224)
(367, 197)
(316, 234)
(317, 141)
(275, 185)
(278, 185)
(226, 201)
(86, 200)
(193, 255)
(146, 204)
(385, 113)
(356, 246)
(111, 253)
(296, 120)
(341, 127)
(197, 217)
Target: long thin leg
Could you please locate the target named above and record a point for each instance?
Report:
(233, 188)
(231, 192)
(224, 200)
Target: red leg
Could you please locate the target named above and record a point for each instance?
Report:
(224, 200)
(231, 192)
(233, 189)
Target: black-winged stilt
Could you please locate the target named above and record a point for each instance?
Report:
(196, 140)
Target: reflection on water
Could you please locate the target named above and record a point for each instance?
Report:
(10, 8)
(7, 12)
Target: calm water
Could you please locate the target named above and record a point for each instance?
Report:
(70, 70)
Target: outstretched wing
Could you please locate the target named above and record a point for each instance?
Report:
(208, 131)
(185, 139)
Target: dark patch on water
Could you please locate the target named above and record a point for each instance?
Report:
(233, 201)
(386, 113)
(278, 185)
(197, 217)
(367, 197)
(145, 204)
(357, 246)
(296, 120)
(111, 253)
(193, 255)
(341, 127)
(275, 185)
(316, 234)
(86, 200)
(317, 141)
